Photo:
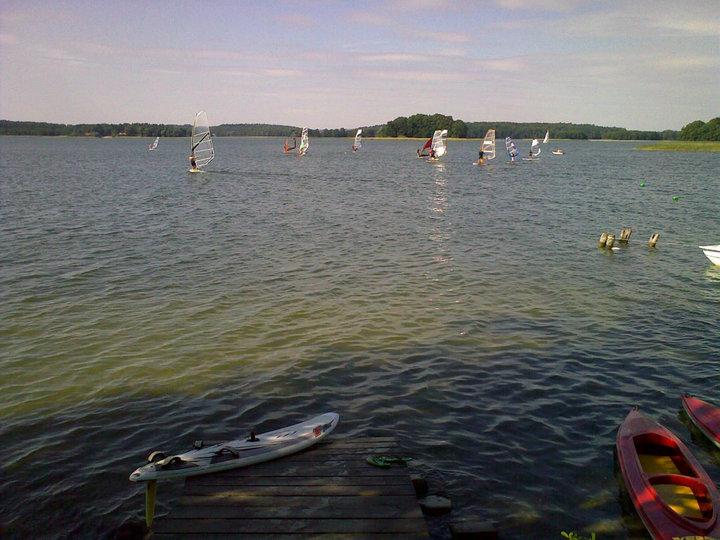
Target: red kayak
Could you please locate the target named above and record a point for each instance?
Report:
(705, 416)
(671, 491)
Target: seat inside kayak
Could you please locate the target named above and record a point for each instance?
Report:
(660, 456)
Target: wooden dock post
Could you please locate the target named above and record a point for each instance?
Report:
(610, 241)
(603, 240)
(326, 491)
(653, 240)
(625, 233)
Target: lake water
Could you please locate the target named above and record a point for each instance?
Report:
(466, 310)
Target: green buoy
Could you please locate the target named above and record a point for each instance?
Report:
(642, 184)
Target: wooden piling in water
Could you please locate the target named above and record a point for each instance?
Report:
(610, 241)
(653, 240)
(603, 240)
(625, 233)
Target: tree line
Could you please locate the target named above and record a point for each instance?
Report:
(701, 131)
(273, 130)
(423, 125)
(8, 127)
(417, 125)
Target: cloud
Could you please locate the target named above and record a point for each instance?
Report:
(446, 37)
(8, 39)
(505, 64)
(297, 20)
(371, 19)
(277, 72)
(392, 57)
(542, 5)
(684, 63)
(704, 26)
(408, 75)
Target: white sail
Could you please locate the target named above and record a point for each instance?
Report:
(511, 149)
(201, 145)
(535, 148)
(154, 145)
(304, 142)
(488, 145)
(547, 137)
(439, 143)
(357, 145)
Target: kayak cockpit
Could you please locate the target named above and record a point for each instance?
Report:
(675, 482)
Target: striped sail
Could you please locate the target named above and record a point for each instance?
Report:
(201, 145)
(488, 145)
(439, 143)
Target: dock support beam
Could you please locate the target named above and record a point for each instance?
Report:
(150, 491)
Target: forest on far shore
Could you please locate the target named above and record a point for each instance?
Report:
(417, 125)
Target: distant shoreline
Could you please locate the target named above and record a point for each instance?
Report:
(348, 137)
(681, 146)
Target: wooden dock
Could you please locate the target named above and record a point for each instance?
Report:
(327, 491)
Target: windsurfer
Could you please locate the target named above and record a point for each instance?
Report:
(193, 164)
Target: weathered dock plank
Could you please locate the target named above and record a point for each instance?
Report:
(328, 491)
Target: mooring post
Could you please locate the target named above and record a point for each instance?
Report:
(625, 233)
(150, 491)
(653, 240)
(603, 239)
(610, 241)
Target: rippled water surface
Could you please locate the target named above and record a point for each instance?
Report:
(466, 310)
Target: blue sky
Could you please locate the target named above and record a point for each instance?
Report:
(636, 64)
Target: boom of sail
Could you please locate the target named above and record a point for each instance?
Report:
(357, 145)
(201, 145)
(547, 137)
(488, 145)
(535, 148)
(511, 149)
(439, 143)
(154, 144)
(304, 142)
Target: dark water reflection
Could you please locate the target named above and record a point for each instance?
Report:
(465, 310)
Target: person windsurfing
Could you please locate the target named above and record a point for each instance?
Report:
(193, 164)
(481, 154)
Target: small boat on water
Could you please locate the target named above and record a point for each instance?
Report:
(558, 152)
(202, 150)
(304, 142)
(511, 149)
(487, 148)
(705, 416)
(534, 151)
(287, 147)
(712, 253)
(154, 145)
(357, 145)
(439, 145)
(424, 150)
(672, 493)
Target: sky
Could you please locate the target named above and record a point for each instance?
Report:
(638, 64)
